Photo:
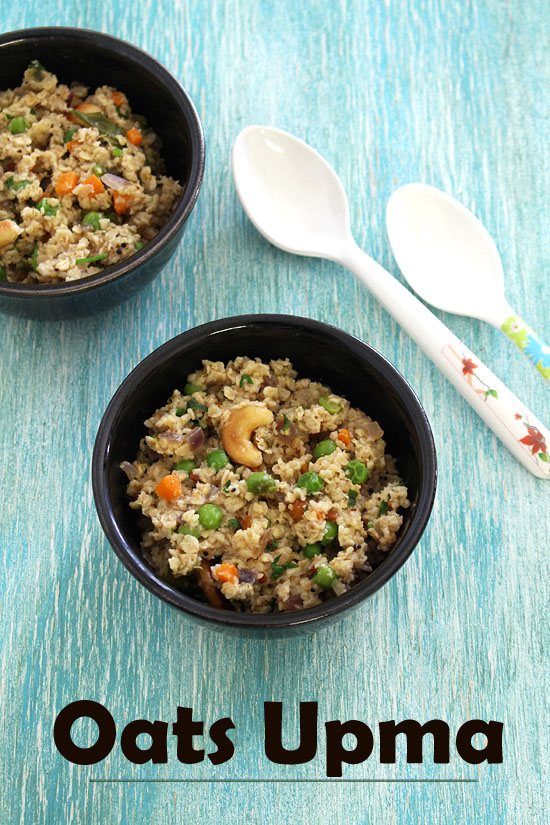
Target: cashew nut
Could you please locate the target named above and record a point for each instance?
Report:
(237, 433)
(8, 232)
(86, 109)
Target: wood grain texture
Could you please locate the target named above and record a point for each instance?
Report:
(451, 93)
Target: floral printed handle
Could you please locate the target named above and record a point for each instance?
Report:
(529, 343)
(508, 417)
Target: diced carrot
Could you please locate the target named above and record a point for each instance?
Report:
(320, 516)
(121, 202)
(118, 98)
(246, 522)
(332, 515)
(169, 488)
(72, 143)
(345, 437)
(66, 183)
(134, 136)
(226, 573)
(96, 183)
(297, 508)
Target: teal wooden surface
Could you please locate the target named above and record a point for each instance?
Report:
(451, 93)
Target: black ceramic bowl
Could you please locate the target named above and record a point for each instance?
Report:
(318, 351)
(97, 59)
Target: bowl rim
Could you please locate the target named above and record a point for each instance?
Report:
(134, 54)
(358, 593)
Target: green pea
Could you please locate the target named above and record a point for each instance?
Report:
(184, 530)
(357, 471)
(217, 459)
(312, 482)
(92, 219)
(190, 389)
(138, 245)
(311, 550)
(261, 483)
(2, 273)
(210, 516)
(324, 448)
(331, 531)
(19, 125)
(325, 577)
(46, 208)
(117, 152)
(98, 170)
(187, 465)
(332, 407)
(68, 136)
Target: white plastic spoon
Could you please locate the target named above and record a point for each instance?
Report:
(451, 261)
(296, 200)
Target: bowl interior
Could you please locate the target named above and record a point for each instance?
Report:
(96, 60)
(318, 352)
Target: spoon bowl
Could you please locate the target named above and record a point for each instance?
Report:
(452, 262)
(290, 193)
(444, 251)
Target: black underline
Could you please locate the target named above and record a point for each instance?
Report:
(328, 779)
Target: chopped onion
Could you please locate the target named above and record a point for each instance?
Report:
(206, 584)
(293, 603)
(114, 181)
(213, 491)
(247, 576)
(130, 469)
(195, 438)
(170, 436)
(373, 430)
(265, 539)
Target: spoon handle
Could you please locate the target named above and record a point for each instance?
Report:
(516, 426)
(529, 343)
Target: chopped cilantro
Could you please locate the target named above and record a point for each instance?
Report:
(383, 509)
(90, 260)
(352, 498)
(37, 68)
(245, 379)
(286, 424)
(196, 405)
(277, 569)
